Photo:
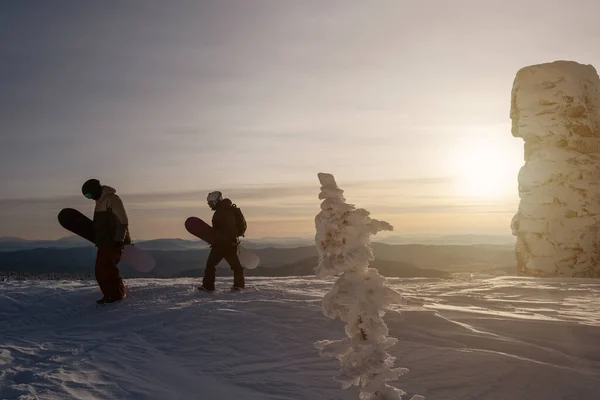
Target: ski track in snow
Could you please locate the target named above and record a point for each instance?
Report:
(464, 338)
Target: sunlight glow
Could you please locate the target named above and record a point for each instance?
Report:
(487, 167)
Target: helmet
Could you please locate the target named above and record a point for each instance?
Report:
(214, 198)
(92, 189)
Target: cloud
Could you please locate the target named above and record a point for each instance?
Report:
(239, 193)
(276, 207)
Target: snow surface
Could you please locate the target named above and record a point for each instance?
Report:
(555, 108)
(506, 338)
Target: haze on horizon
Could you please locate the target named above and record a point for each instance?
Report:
(406, 103)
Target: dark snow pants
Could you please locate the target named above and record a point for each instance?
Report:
(217, 253)
(107, 273)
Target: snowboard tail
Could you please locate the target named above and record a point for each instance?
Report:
(77, 223)
(201, 230)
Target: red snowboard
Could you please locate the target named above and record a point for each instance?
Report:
(204, 231)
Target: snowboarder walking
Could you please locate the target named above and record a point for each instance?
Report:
(225, 221)
(111, 229)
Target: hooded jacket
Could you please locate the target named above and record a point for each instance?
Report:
(223, 221)
(111, 224)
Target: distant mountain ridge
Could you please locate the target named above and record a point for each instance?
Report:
(450, 239)
(393, 260)
(15, 244)
(172, 244)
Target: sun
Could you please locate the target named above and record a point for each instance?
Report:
(487, 168)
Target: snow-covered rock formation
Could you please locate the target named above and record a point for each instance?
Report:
(555, 108)
(359, 297)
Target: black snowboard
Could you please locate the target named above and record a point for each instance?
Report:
(74, 221)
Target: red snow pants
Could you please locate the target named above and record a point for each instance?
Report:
(107, 273)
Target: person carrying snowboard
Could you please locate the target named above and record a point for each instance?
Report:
(226, 224)
(111, 231)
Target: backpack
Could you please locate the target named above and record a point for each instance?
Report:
(240, 221)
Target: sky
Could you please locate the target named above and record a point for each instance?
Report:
(405, 102)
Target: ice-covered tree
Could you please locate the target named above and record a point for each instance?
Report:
(359, 297)
(555, 109)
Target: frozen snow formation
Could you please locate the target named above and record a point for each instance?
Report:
(555, 109)
(359, 296)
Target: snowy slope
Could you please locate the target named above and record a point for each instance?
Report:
(503, 338)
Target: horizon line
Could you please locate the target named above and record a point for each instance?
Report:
(311, 237)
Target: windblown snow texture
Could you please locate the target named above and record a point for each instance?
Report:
(483, 338)
(554, 108)
(359, 296)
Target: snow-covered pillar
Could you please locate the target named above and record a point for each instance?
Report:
(555, 109)
(359, 296)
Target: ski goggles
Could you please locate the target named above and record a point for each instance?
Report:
(88, 195)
